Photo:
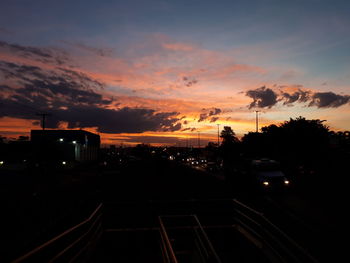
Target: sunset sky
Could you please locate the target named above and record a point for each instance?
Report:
(164, 71)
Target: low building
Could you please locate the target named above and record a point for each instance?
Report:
(65, 145)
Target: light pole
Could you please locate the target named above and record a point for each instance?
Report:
(257, 120)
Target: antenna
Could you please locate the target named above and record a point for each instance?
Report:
(43, 115)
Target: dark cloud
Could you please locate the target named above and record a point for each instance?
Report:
(188, 81)
(214, 119)
(133, 120)
(45, 55)
(265, 97)
(124, 120)
(262, 97)
(63, 86)
(297, 96)
(72, 97)
(216, 111)
(202, 117)
(328, 100)
(208, 112)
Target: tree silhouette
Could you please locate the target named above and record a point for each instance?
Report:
(228, 137)
(297, 142)
(230, 147)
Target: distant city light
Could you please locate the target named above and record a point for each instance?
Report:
(61, 139)
(64, 163)
(286, 182)
(1, 162)
(266, 183)
(74, 142)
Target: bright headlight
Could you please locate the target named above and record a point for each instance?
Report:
(286, 182)
(266, 183)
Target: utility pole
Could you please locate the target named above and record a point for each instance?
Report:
(43, 115)
(218, 134)
(257, 120)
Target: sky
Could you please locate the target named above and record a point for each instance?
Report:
(167, 72)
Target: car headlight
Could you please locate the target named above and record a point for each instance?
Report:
(266, 183)
(286, 182)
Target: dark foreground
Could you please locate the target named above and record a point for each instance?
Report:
(37, 207)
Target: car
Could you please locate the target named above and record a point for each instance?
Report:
(267, 175)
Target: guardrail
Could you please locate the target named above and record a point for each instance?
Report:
(278, 246)
(70, 245)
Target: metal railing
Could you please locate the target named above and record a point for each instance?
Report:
(202, 249)
(205, 246)
(75, 244)
(278, 246)
(167, 249)
(70, 245)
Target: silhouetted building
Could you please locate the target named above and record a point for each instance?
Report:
(65, 145)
